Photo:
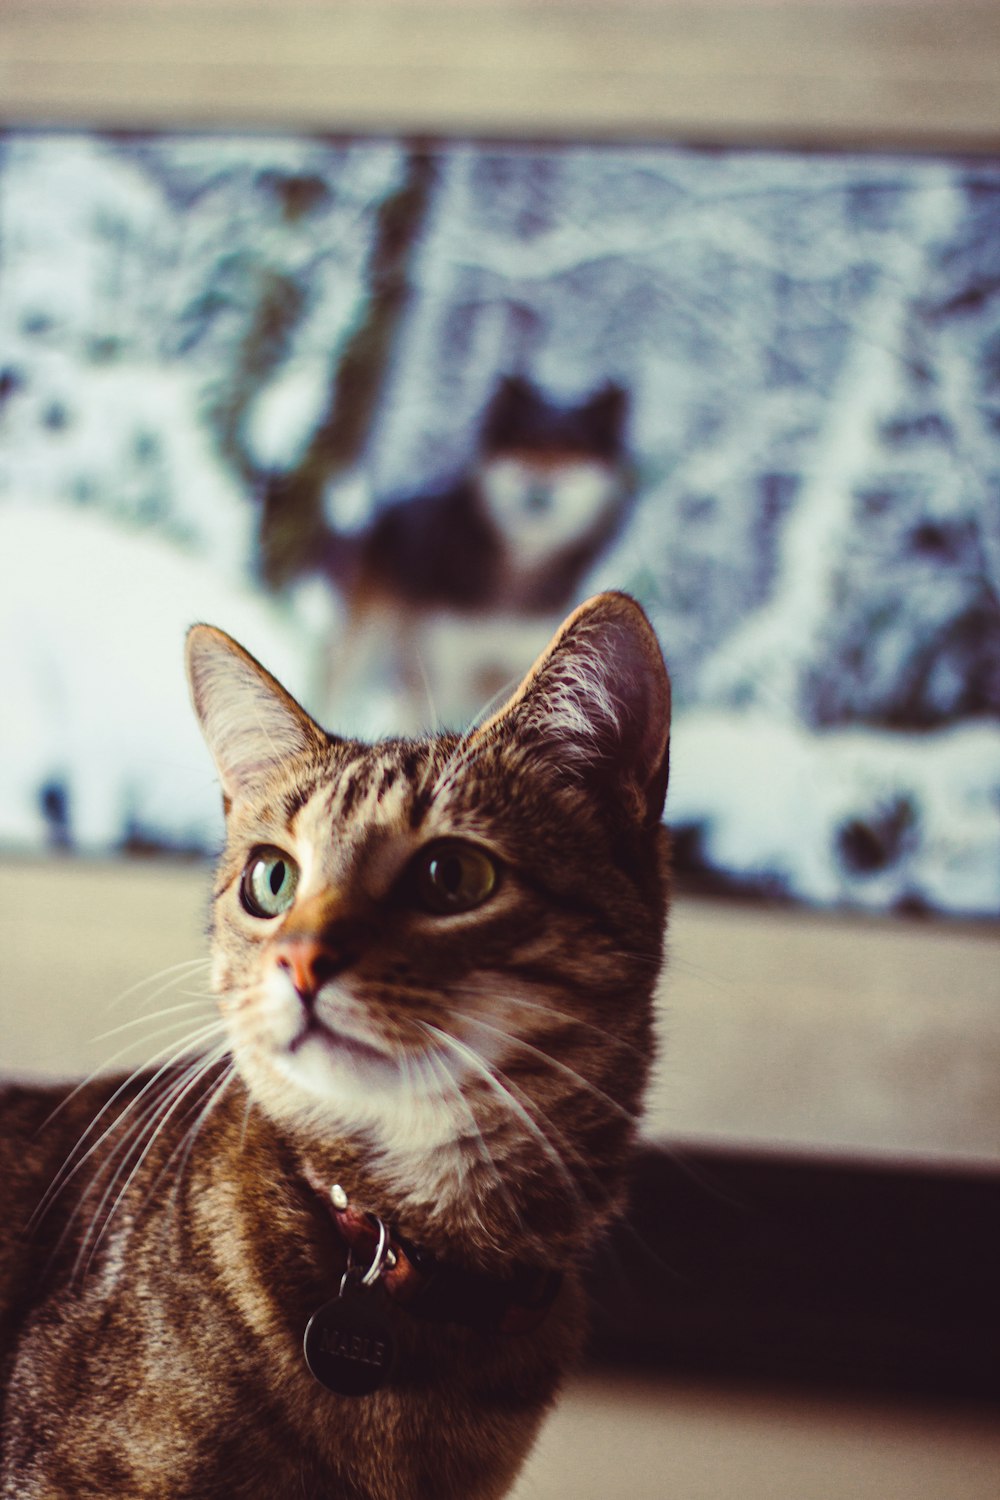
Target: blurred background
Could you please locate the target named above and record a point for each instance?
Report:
(381, 335)
(275, 382)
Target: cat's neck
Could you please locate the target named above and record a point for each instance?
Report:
(450, 1201)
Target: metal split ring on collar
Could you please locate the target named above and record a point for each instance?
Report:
(384, 1259)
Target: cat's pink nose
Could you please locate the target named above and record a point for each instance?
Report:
(309, 963)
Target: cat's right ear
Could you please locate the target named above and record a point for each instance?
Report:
(250, 723)
(597, 703)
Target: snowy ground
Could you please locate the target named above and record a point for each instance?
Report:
(875, 820)
(92, 622)
(96, 716)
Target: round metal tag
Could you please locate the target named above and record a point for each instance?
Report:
(349, 1345)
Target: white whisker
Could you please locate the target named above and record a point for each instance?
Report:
(105, 1067)
(518, 1001)
(214, 1099)
(552, 1062)
(74, 1162)
(504, 1089)
(195, 1003)
(176, 973)
(199, 1074)
(147, 1102)
(433, 1059)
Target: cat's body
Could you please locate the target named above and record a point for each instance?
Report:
(172, 1365)
(452, 592)
(434, 963)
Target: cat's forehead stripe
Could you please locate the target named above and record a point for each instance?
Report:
(296, 799)
(383, 779)
(346, 790)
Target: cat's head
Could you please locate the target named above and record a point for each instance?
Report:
(446, 948)
(550, 475)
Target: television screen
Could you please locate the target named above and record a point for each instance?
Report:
(386, 412)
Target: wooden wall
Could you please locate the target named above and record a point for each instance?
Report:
(915, 74)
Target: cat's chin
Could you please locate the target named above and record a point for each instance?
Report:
(330, 1086)
(329, 1064)
(314, 1033)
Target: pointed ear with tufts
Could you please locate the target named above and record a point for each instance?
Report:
(605, 415)
(251, 725)
(598, 701)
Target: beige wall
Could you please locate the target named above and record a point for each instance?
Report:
(917, 73)
(779, 1029)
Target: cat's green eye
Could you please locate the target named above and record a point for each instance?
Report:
(269, 882)
(453, 876)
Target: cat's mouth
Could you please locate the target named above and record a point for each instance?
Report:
(337, 1043)
(334, 1063)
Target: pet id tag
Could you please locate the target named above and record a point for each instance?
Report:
(349, 1345)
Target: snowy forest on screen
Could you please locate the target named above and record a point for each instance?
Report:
(218, 353)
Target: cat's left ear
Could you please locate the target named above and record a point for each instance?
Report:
(250, 723)
(598, 701)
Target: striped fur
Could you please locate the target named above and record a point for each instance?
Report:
(474, 1075)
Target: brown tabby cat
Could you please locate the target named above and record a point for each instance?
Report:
(434, 960)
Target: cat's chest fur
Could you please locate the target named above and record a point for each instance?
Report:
(434, 964)
(169, 1358)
